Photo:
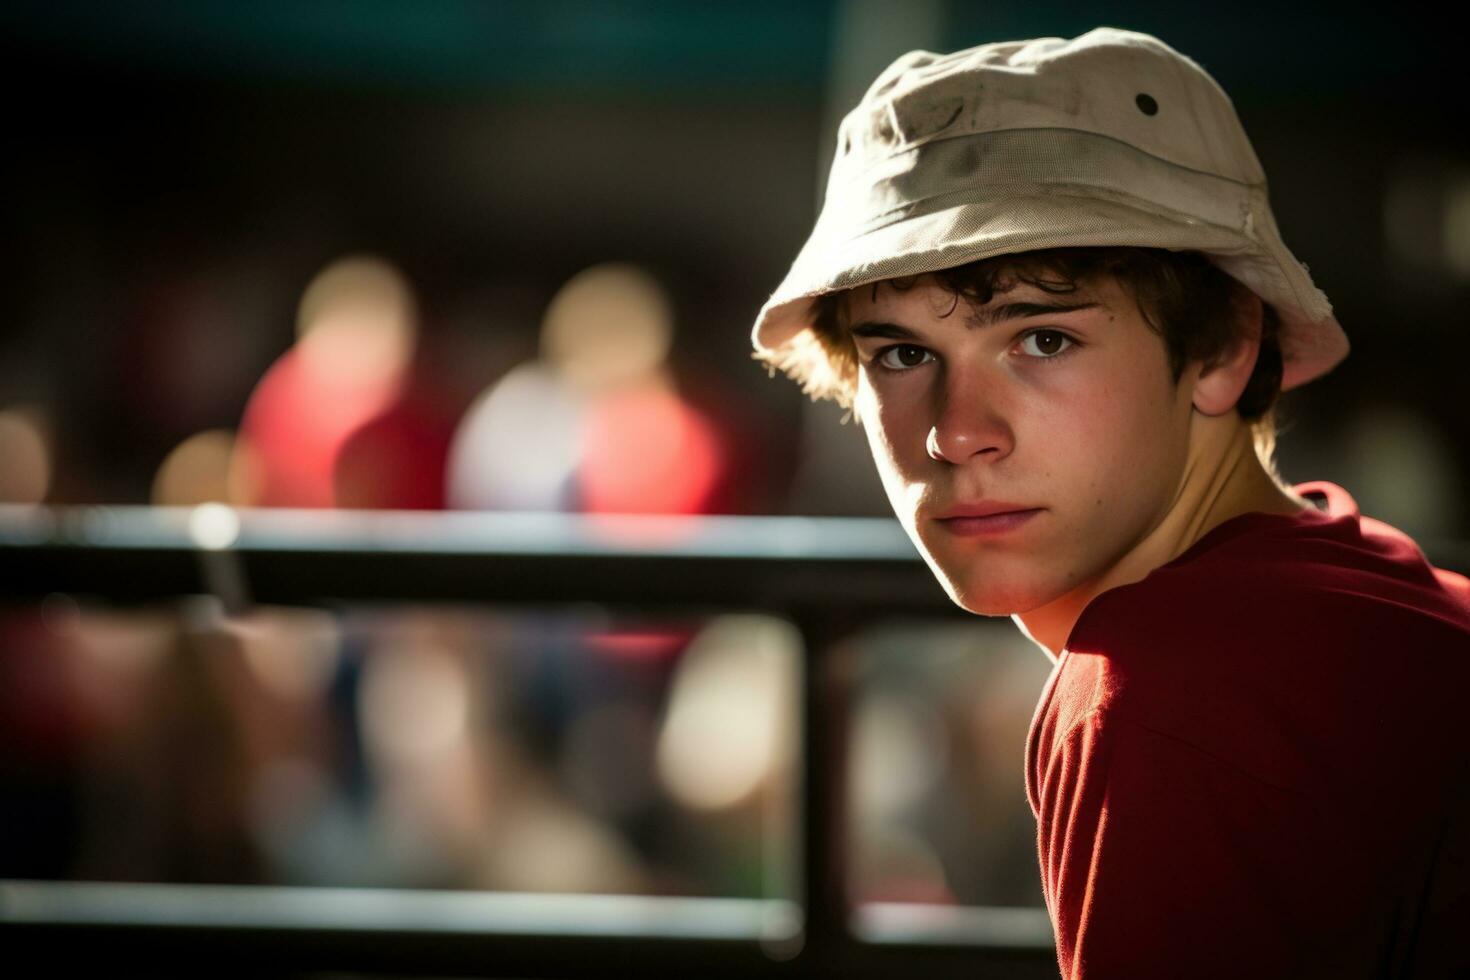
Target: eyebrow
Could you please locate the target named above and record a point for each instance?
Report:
(982, 317)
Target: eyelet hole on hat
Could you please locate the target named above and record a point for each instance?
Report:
(1146, 104)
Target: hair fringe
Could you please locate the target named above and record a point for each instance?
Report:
(805, 360)
(1168, 286)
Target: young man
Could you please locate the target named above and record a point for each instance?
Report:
(1047, 281)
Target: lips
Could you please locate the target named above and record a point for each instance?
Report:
(986, 518)
(984, 508)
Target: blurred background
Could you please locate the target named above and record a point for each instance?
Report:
(484, 202)
(505, 256)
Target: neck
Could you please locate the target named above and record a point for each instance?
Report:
(1223, 478)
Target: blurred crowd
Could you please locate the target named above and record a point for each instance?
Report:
(355, 415)
(468, 748)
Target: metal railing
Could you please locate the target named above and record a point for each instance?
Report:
(828, 576)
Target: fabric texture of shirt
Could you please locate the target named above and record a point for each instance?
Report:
(1254, 761)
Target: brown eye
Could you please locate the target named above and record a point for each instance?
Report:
(902, 356)
(1045, 343)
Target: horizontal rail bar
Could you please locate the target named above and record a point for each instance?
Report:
(464, 532)
(133, 554)
(402, 910)
(952, 925)
(520, 934)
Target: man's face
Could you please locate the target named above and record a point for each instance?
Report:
(1070, 415)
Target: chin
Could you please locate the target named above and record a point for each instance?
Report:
(988, 600)
(996, 584)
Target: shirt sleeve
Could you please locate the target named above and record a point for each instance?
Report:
(1162, 860)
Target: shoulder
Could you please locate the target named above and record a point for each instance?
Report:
(1273, 636)
(1275, 579)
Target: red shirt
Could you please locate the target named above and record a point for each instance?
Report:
(1254, 761)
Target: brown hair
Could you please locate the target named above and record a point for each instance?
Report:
(1182, 296)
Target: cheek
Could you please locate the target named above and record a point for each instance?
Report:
(889, 427)
(883, 445)
(896, 440)
(1120, 436)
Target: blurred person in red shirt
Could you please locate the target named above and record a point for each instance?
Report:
(341, 420)
(597, 424)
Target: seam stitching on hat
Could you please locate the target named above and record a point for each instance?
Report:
(1065, 129)
(1055, 189)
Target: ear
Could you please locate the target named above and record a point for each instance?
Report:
(1219, 383)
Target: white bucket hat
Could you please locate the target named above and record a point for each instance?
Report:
(1111, 138)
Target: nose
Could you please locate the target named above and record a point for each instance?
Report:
(967, 422)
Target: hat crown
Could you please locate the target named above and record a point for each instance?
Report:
(1112, 138)
(1119, 84)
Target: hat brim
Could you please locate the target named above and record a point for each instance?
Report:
(1312, 340)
